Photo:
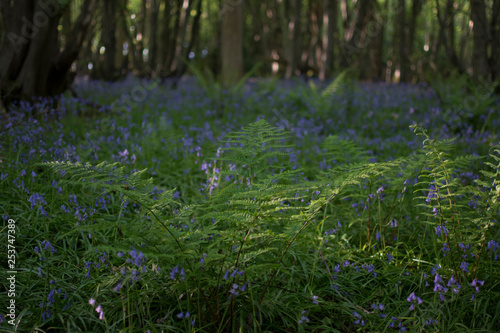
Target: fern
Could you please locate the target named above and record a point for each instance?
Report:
(250, 225)
(214, 90)
(111, 178)
(454, 222)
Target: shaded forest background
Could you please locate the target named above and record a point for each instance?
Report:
(45, 43)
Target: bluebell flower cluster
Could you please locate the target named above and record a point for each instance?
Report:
(177, 273)
(413, 299)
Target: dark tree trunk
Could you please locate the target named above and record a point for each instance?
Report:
(165, 41)
(31, 64)
(416, 8)
(182, 50)
(495, 43)
(480, 66)
(446, 35)
(331, 36)
(196, 27)
(108, 24)
(356, 37)
(153, 22)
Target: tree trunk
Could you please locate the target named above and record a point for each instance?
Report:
(401, 31)
(446, 35)
(232, 46)
(31, 64)
(180, 49)
(495, 44)
(294, 29)
(153, 22)
(108, 36)
(480, 66)
(331, 37)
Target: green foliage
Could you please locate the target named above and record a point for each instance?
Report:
(218, 95)
(263, 246)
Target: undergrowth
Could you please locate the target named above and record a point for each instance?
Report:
(405, 244)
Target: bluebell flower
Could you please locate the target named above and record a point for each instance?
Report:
(412, 299)
(359, 321)
(303, 318)
(441, 229)
(464, 266)
(183, 315)
(174, 271)
(36, 198)
(46, 246)
(477, 283)
(118, 287)
(87, 267)
(430, 321)
(445, 249)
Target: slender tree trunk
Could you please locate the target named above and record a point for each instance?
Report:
(140, 35)
(446, 36)
(403, 56)
(416, 9)
(294, 42)
(195, 29)
(108, 36)
(495, 44)
(180, 49)
(330, 39)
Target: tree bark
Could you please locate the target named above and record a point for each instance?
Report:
(495, 44)
(232, 46)
(480, 66)
(331, 37)
(153, 22)
(30, 62)
(294, 29)
(108, 36)
(401, 31)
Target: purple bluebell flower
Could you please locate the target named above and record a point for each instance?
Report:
(303, 318)
(464, 266)
(441, 230)
(477, 283)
